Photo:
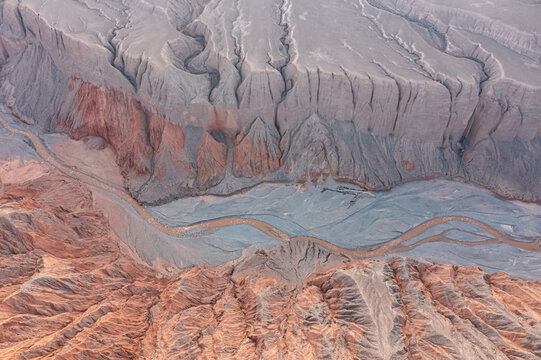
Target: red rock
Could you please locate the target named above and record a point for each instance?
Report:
(69, 289)
(211, 161)
(150, 150)
(257, 152)
(115, 117)
(408, 165)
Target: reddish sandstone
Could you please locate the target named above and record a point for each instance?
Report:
(69, 289)
(257, 152)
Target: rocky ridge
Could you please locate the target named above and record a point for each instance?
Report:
(70, 290)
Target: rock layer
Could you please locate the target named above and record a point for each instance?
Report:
(409, 90)
(70, 290)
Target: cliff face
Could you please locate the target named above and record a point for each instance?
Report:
(204, 96)
(70, 290)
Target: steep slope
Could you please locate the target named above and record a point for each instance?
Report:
(70, 290)
(400, 90)
(257, 153)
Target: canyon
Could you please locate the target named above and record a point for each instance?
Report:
(76, 284)
(273, 179)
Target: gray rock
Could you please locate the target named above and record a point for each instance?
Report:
(376, 92)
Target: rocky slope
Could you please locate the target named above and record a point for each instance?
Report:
(70, 290)
(201, 96)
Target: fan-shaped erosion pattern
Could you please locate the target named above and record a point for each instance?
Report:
(209, 96)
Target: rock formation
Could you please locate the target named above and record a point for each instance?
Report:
(200, 96)
(194, 97)
(257, 152)
(70, 290)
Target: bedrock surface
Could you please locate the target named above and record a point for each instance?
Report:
(69, 289)
(199, 96)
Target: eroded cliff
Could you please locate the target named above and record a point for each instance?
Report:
(201, 96)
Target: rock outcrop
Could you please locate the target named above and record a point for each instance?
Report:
(257, 152)
(398, 91)
(70, 290)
